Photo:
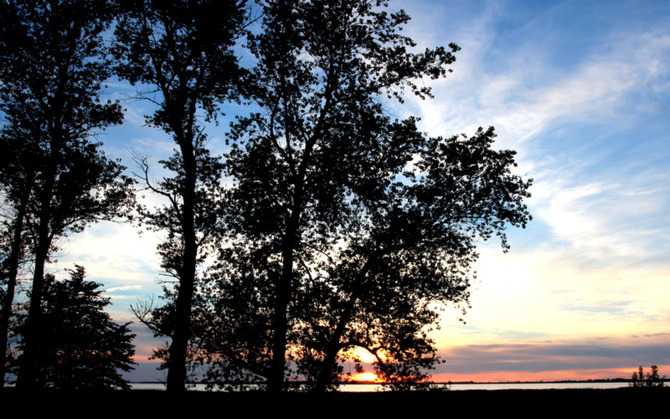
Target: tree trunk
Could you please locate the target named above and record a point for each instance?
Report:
(334, 345)
(282, 300)
(12, 274)
(176, 379)
(30, 356)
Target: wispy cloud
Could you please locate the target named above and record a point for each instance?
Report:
(581, 91)
(524, 95)
(115, 255)
(596, 358)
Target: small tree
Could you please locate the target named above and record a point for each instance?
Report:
(651, 379)
(79, 345)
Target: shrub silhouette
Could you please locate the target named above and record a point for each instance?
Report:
(651, 379)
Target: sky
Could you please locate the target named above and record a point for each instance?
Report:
(581, 90)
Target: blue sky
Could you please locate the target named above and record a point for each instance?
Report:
(581, 89)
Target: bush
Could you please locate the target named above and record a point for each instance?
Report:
(651, 379)
(80, 346)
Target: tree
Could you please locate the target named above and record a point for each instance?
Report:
(80, 346)
(651, 379)
(337, 243)
(53, 67)
(414, 251)
(183, 50)
(17, 176)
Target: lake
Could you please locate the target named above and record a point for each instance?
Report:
(453, 387)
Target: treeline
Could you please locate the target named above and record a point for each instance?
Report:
(340, 228)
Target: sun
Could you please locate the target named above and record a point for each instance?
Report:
(366, 377)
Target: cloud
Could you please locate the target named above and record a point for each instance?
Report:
(549, 292)
(524, 96)
(115, 255)
(581, 96)
(621, 221)
(592, 354)
(124, 288)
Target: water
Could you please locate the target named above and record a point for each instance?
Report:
(454, 387)
(539, 386)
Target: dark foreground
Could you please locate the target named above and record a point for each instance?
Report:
(611, 403)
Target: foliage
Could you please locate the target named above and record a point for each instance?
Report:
(53, 66)
(349, 226)
(414, 255)
(182, 51)
(650, 379)
(80, 347)
(16, 186)
(345, 229)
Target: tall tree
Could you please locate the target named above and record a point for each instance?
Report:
(17, 176)
(351, 226)
(184, 50)
(320, 149)
(53, 69)
(82, 347)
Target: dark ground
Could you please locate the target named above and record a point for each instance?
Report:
(610, 403)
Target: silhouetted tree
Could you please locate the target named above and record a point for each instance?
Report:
(650, 379)
(412, 251)
(53, 67)
(339, 244)
(17, 175)
(182, 50)
(79, 345)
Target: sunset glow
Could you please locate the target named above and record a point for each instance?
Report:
(538, 376)
(362, 355)
(367, 377)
